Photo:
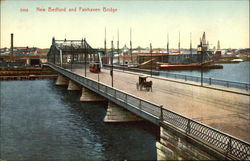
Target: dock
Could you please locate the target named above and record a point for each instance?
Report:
(25, 73)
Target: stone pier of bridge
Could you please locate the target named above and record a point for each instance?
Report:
(114, 112)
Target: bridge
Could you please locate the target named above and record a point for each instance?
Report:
(194, 122)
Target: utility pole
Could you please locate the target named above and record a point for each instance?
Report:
(179, 44)
(85, 58)
(118, 52)
(82, 53)
(151, 59)
(131, 45)
(112, 56)
(105, 49)
(201, 51)
(72, 57)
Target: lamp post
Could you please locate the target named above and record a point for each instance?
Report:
(202, 53)
(200, 49)
(111, 71)
(131, 46)
(151, 59)
(71, 61)
(118, 48)
(98, 78)
(85, 58)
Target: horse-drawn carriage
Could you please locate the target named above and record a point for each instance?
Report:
(143, 83)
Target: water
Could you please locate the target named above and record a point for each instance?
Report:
(40, 121)
(239, 72)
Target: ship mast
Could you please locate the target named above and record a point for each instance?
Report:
(191, 52)
(168, 44)
(179, 44)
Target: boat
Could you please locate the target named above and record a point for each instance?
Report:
(237, 60)
(189, 66)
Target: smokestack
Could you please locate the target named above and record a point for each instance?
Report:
(218, 45)
(11, 45)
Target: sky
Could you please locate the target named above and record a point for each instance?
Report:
(150, 21)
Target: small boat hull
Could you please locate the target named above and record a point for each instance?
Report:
(189, 67)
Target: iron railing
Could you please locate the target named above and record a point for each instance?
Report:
(208, 81)
(223, 142)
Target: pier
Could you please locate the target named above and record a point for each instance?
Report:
(26, 73)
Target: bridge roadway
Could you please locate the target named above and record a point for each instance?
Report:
(228, 112)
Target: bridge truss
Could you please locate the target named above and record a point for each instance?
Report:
(71, 52)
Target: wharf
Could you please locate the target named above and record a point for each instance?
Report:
(226, 111)
(22, 73)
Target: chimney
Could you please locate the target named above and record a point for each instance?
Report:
(11, 45)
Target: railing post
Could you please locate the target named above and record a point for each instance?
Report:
(229, 145)
(161, 117)
(188, 127)
(185, 78)
(140, 104)
(210, 81)
(126, 98)
(227, 84)
(115, 93)
(106, 90)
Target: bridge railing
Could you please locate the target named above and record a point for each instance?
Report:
(208, 81)
(223, 142)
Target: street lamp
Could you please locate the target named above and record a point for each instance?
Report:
(111, 71)
(118, 52)
(85, 58)
(201, 50)
(71, 60)
(131, 45)
(151, 59)
(98, 78)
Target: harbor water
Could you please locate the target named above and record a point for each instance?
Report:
(239, 72)
(41, 121)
